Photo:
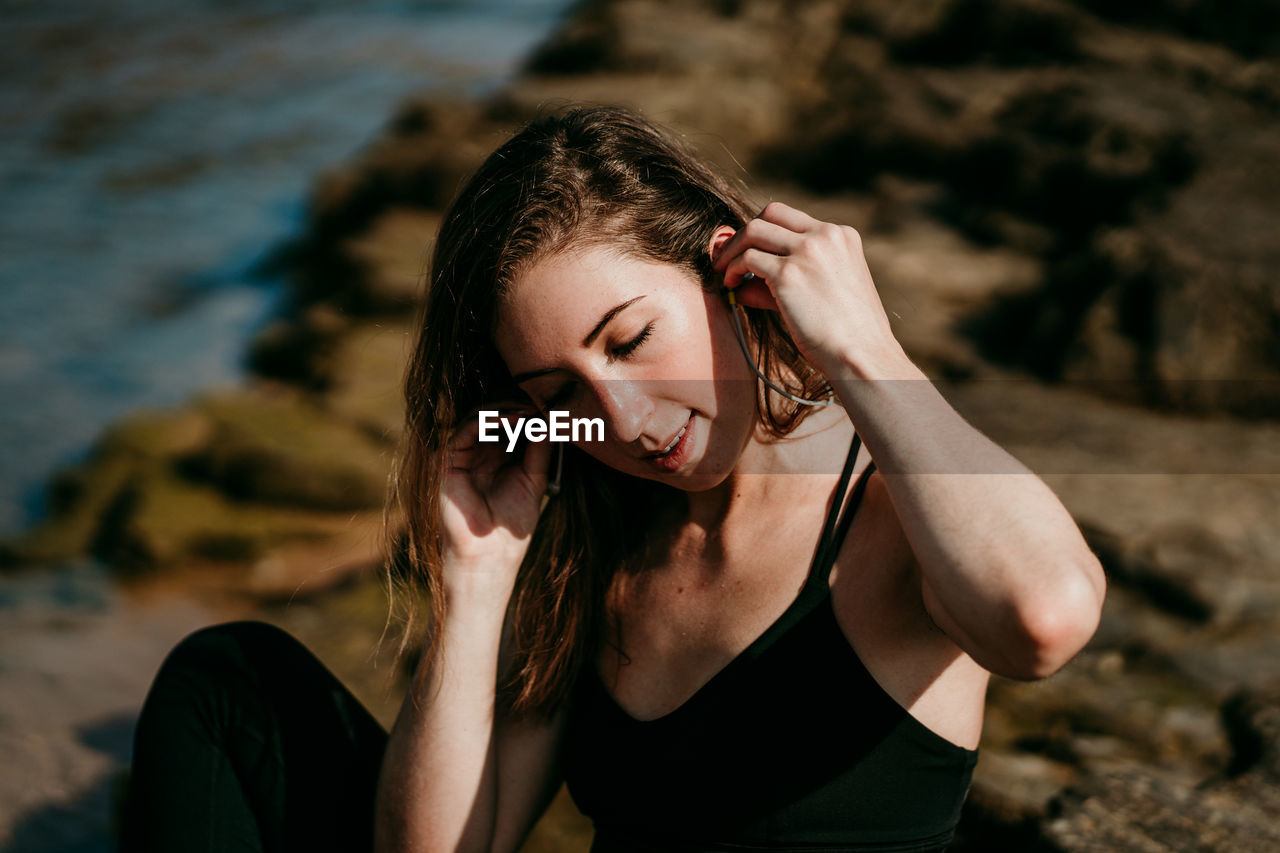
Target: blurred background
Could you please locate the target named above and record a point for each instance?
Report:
(215, 226)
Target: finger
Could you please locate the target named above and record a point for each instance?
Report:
(762, 265)
(754, 293)
(467, 452)
(467, 433)
(758, 234)
(788, 217)
(537, 462)
(463, 436)
(476, 458)
(489, 466)
(468, 441)
(480, 461)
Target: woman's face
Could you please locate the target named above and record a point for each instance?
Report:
(639, 344)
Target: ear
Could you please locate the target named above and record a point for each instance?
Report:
(718, 238)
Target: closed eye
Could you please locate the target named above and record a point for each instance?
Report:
(624, 351)
(632, 345)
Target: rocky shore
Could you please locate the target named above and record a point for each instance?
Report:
(1070, 213)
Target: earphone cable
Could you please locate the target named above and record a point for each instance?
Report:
(746, 351)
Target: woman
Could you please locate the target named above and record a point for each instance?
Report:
(671, 649)
(761, 612)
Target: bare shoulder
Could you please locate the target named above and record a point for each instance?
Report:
(878, 600)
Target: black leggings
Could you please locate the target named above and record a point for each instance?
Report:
(247, 742)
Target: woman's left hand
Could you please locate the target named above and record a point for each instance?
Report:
(816, 275)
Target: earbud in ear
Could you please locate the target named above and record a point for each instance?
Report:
(731, 295)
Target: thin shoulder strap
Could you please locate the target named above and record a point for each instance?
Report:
(846, 521)
(814, 593)
(831, 544)
(829, 525)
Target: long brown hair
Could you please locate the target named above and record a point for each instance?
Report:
(588, 175)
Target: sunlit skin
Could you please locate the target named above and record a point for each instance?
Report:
(938, 580)
(730, 569)
(647, 371)
(961, 561)
(941, 580)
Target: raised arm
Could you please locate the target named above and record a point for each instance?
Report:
(455, 777)
(1005, 571)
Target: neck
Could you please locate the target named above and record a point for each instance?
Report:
(770, 473)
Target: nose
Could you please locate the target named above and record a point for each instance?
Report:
(625, 407)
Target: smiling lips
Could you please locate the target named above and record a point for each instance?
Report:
(673, 448)
(673, 441)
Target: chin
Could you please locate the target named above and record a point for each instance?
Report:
(692, 481)
(702, 470)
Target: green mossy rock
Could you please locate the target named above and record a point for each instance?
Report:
(224, 480)
(368, 373)
(82, 497)
(161, 519)
(286, 450)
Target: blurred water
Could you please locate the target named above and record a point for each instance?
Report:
(150, 152)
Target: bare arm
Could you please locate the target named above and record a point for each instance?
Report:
(454, 778)
(1005, 571)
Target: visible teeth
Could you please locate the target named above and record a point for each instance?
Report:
(676, 440)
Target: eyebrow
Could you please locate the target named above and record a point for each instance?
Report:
(586, 342)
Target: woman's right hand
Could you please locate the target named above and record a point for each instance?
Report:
(490, 500)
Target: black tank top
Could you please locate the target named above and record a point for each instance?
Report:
(791, 747)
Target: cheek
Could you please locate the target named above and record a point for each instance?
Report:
(735, 377)
(717, 331)
(725, 335)
(697, 339)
